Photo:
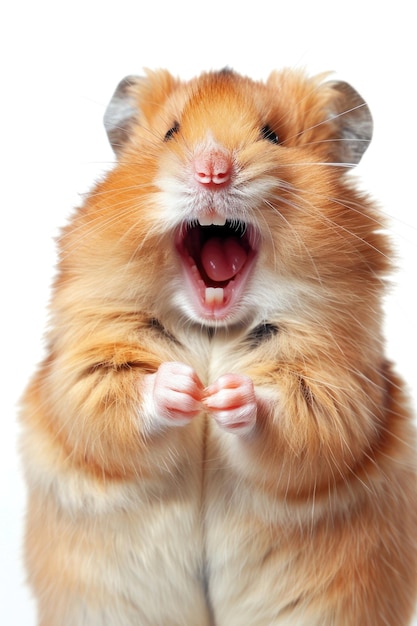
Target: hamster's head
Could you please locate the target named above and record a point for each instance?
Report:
(235, 181)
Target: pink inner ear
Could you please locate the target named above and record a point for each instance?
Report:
(222, 259)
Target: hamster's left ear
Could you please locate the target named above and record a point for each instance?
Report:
(121, 111)
(352, 123)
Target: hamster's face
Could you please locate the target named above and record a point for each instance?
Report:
(238, 176)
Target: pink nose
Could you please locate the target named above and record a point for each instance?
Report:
(212, 167)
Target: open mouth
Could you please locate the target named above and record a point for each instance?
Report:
(217, 259)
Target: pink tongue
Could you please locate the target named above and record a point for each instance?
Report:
(222, 258)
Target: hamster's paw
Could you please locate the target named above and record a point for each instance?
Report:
(231, 401)
(172, 395)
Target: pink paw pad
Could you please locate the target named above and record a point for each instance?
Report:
(174, 392)
(231, 401)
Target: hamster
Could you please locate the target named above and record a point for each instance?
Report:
(215, 436)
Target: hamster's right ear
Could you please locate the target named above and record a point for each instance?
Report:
(121, 111)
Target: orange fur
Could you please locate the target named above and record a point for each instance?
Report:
(309, 516)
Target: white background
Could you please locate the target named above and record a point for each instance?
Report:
(59, 65)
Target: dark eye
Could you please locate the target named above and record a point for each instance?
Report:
(268, 134)
(172, 131)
